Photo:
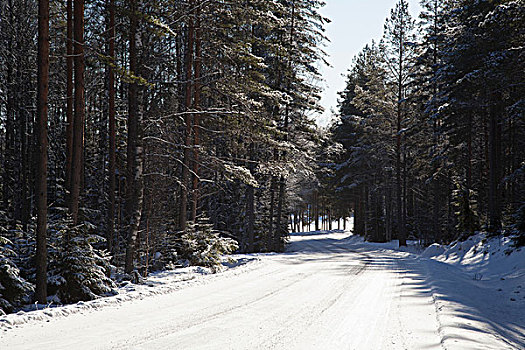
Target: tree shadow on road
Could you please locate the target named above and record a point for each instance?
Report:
(468, 317)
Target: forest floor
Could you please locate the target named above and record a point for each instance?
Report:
(328, 291)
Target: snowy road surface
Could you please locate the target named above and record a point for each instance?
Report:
(321, 294)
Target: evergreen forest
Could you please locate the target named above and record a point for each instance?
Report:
(137, 136)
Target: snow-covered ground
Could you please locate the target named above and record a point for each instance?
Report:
(328, 291)
(479, 290)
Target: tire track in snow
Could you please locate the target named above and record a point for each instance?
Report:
(299, 254)
(311, 314)
(215, 315)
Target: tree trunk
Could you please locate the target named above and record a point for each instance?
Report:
(9, 133)
(196, 121)
(24, 183)
(388, 208)
(359, 216)
(41, 175)
(270, 240)
(494, 208)
(366, 212)
(250, 201)
(469, 172)
(78, 130)
(281, 228)
(316, 210)
(280, 231)
(399, 186)
(400, 95)
(112, 132)
(405, 191)
(188, 120)
(69, 96)
(135, 151)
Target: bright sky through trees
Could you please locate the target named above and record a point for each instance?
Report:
(354, 24)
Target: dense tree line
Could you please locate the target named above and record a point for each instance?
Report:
(432, 127)
(129, 129)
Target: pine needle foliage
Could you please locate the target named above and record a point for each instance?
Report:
(519, 227)
(79, 271)
(14, 290)
(201, 245)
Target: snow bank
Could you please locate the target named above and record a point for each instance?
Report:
(157, 283)
(488, 258)
(433, 250)
(413, 246)
(478, 287)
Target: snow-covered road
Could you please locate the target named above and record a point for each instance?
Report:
(328, 291)
(319, 295)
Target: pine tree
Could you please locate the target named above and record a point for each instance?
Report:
(134, 162)
(459, 129)
(399, 41)
(201, 245)
(110, 235)
(41, 127)
(79, 110)
(78, 270)
(14, 290)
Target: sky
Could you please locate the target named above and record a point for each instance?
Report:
(354, 24)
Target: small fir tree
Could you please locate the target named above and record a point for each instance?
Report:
(201, 245)
(466, 212)
(78, 270)
(14, 290)
(519, 227)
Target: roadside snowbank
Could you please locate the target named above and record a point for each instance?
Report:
(413, 246)
(485, 259)
(478, 288)
(157, 283)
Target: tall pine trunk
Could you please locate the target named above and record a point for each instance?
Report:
(25, 176)
(494, 207)
(78, 124)
(41, 174)
(112, 131)
(271, 230)
(399, 186)
(250, 201)
(316, 210)
(135, 150)
(188, 120)
(69, 96)
(281, 231)
(196, 121)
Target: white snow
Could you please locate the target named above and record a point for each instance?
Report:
(157, 283)
(479, 289)
(328, 291)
